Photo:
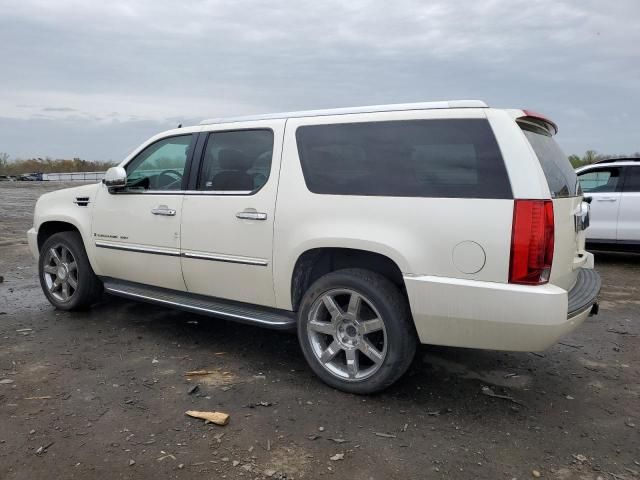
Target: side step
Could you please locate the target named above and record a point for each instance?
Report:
(215, 307)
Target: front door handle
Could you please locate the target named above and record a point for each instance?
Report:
(606, 199)
(163, 210)
(251, 214)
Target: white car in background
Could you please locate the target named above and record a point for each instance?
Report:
(614, 189)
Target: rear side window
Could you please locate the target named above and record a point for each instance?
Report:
(600, 180)
(632, 181)
(557, 169)
(236, 161)
(453, 158)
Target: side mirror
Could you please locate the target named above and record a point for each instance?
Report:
(116, 177)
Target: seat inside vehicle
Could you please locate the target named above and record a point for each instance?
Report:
(233, 174)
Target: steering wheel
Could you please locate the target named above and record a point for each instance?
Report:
(168, 178)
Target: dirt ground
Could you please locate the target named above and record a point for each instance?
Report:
(103, 394)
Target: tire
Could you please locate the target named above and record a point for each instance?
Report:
(337, 346)
(69, 266)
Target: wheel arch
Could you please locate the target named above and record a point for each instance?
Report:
(52, 227)
(313, 263)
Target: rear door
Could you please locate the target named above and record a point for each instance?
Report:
(228, 214)
(629, 216)
(567, 201)
(603, 185)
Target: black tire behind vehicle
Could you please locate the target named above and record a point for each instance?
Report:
(320, 334)
(88, 286)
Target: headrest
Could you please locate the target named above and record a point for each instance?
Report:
(232, 159)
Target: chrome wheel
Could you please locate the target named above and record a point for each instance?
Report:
(60, 273)
(347, 334)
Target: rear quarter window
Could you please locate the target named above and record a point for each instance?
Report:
(454, 158)
(561, 177)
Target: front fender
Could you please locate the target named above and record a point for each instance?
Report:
(59, 206)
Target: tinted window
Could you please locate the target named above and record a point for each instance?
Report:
(238, 161)
(417, 158)
(557, 169)
(632, 182)
(600, 180)
(160, 166)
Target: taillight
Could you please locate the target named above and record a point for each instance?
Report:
(531, 242)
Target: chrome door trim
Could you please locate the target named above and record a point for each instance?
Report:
(226, 258)
(171, 252)
(174, 252)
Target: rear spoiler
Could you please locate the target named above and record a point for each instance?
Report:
(539, 118)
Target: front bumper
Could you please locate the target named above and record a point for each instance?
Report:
(498, 316)
(32, 240)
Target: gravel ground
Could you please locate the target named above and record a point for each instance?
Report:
(102, 394)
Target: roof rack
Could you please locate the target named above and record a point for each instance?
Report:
(621, 159)
(344, 111)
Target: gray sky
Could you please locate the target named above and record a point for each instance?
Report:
(96, 78)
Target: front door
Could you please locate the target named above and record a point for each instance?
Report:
(603, 185)
(227, 222)
(136, 230)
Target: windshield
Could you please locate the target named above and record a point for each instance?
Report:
(561, 178)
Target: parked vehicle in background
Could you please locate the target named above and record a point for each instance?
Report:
(613, 187)
(366, 229)
(30, 177)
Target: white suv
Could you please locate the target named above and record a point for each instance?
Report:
(613, 188)
(366, 229)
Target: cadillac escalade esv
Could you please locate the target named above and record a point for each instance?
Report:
(367, 230)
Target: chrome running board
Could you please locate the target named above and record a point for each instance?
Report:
(215, 307)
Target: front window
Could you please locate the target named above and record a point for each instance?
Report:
(160, 166)
(600, 180)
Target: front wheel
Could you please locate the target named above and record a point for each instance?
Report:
(355, 331)
(66, 276)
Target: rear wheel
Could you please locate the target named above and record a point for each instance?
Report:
(355, 331)
(66, 276)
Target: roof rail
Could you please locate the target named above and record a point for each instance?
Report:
(344, 111)
(620, 159)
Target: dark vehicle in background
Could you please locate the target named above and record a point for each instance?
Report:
(30, 177)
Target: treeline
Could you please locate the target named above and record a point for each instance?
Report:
(48, 165)
(591, 156)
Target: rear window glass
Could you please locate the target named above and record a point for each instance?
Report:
(560, 175)
(419, 158)
(632, 183)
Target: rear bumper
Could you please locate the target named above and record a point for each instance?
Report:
(584, 293)
(498, 316)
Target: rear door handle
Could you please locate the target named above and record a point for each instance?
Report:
(251, 214)
(163, 210)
